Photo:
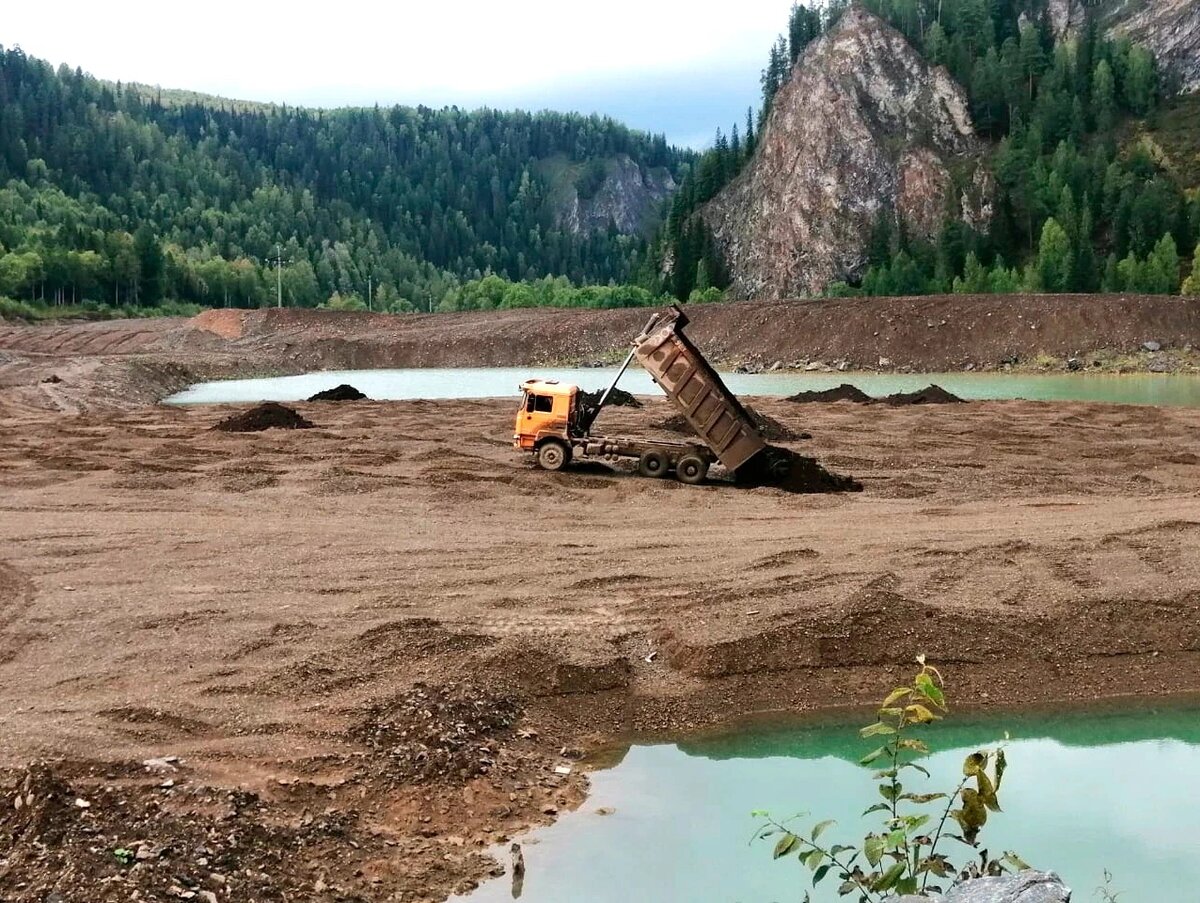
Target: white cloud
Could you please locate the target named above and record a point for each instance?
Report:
(469, 52)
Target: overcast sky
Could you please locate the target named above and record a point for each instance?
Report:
(662, 65)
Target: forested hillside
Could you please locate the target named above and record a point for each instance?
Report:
(120, 195)
(1084, 195)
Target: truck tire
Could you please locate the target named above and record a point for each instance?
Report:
(553, 455)
(653, 464)
(691, 469)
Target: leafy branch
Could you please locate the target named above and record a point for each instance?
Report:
(900, 857)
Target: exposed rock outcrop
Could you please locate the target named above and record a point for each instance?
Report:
(863, 125)
(629, 197)
(1171, 29)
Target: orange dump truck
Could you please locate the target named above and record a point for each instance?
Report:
(555, 425)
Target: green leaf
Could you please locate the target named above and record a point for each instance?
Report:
(908, 743)
(974, 763)
(895, 696)
(906, 886)
(888, 879)
(932, 691)
(820, 827)
(987, 792)
(839, 848)
(874, 848)
(1011, 858)
(914, 765)
(872, 730)
(914, 823)
(872, 756)
(820, 873)
(785, 845)
(813, 859)
(896, 839)
(890, 792)
(1001, 765)
(878, 807)
(759, 813)
(921, 714)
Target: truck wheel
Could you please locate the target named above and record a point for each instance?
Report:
(653, 464)
(553, 456)
(691, 469)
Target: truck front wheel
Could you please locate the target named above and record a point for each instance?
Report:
(691, 469)
(653, 464)
(553, 455)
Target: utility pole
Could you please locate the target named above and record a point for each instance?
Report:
(368, 291)
(279, 276)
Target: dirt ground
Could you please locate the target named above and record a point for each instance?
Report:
(371, 643)
(342, 663)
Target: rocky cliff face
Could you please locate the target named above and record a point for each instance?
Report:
(629, 196)
(1171, 29)
(864, 125)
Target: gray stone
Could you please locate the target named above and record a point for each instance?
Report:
(1152, 346)
(1074, 363)
(1030, 886)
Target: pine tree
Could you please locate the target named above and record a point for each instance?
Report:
(1161, 274)
(1191, 285)
(1054, 260)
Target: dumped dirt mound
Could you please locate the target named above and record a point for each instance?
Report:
(267, 416)
(434, 732)
(932, 394)
(344, 392)
(770, 428)
(618, 399)
(844, 392)
(786, 470)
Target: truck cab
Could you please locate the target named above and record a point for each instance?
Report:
(548, 408)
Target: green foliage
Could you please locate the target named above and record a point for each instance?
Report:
(190, 198)
(1054, 108)
(907, 853)
(1191, 285)
(497, 293)
(1055, 260)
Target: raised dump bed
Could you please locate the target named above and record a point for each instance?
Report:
(696, 389)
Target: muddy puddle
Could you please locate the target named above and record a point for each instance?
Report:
(1084, 792)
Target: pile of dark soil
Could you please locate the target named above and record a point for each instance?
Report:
(771, 429)
(929, 395)
(619, 398)
(435, 732)
(343, 392)
(266, 416)
(844, 392)
(786, 470)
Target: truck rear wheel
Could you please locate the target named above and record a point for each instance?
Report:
(691, 469)
(553, 455)
(653, 464)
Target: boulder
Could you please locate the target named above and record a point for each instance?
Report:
(1029, 886)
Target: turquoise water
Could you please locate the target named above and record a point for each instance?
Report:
(1083, 793)
(491, 382)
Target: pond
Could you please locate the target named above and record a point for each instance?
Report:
(1084, 792)
(495, 382)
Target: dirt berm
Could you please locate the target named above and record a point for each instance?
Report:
(107, 365)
